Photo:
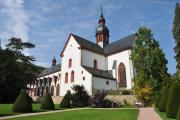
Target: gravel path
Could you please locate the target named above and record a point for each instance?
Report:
(148, 114)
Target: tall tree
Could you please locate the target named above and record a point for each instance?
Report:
(16, 69)
(176, 35)
(150, 63)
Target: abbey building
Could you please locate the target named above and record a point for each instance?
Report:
(103, 65)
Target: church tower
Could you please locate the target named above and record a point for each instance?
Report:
(102, 32)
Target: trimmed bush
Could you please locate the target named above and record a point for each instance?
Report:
(157, 99)
(97, 99)
(65, 103)
(80, 97)
(164, 98)
(178, 114)
(173, 101)
(47, 103)
(126, 92)
(22, 103)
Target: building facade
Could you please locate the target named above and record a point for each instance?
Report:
(96, 66)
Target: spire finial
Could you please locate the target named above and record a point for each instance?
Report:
(101, 10)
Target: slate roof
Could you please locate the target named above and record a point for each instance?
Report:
(99, 73)
(119, 45)
(50, 70)
(88, 44)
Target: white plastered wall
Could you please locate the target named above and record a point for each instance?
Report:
(72, 51)
(122, 57)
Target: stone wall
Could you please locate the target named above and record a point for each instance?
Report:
(131, 99)
(56, 99)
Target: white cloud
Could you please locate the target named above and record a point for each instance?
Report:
(17, 19)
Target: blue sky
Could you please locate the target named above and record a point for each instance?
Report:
(47, 23)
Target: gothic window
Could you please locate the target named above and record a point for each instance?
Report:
(70, 62)
(42, 91)
(72, 76)
(122, 75)
(66, 78)
(95, 64)
(52, 90)
(47, 90)
(38, 91)
(55, 79)
(57, 90)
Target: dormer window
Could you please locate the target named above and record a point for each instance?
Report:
(95, 64)
(70, 62)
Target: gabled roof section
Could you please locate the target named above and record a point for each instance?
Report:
(99, 73)
(86, 44)
(117, 46)
(50, 70)
(120, 45)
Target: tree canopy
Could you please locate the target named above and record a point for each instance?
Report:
(150, 64)
(16, 69)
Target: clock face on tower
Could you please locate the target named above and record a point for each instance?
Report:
(100, 28)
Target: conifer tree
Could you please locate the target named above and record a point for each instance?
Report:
(150, 63)
(176, 35)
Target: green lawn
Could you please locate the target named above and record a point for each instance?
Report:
(90, 114)
(163, 115)
(5, 109)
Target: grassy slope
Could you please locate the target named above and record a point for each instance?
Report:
(163, 115)
(5, 109)
(125, 114)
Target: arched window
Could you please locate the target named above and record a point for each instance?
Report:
(70, 62)
(57, 90)
(66, 78)
(52, 90)
(72, 76)
(42, 91)
(38, 91)
(47, 90)
(122, 75)
(95, 64)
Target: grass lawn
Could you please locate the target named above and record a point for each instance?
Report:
(163, 115)
(88, 114)
(5, 109)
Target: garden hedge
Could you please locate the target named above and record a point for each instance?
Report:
(23, 103)
(163, 100)
(65, 103)
(173, 101)
(47, 103)
(178, 114)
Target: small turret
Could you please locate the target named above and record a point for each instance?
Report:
(54, 62)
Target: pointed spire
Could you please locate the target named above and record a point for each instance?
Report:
(101, 10)
(54, 62)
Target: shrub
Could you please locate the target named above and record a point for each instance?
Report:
(22, 103)
(178, 114)
(157, 99)
(47, 103)
(126, 92)
(65, 103)
(98, 100)
(173, 101)
(164, 98)
(80, 97)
